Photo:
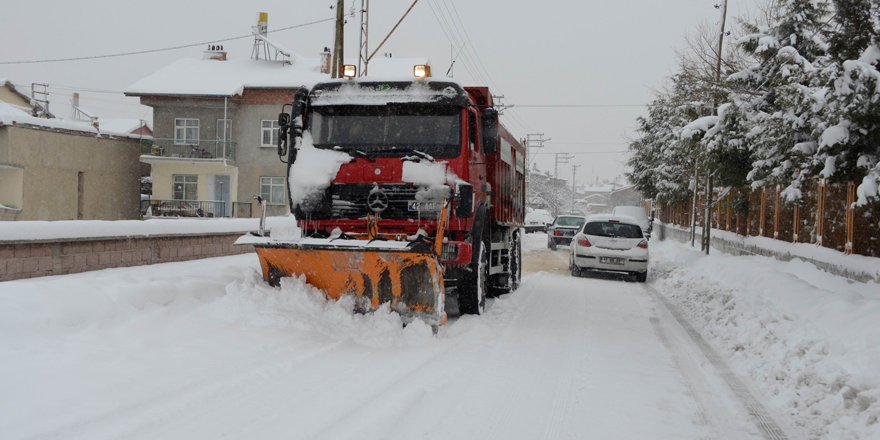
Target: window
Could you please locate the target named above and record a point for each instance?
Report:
(472, 131)
(185, 187)
(186, 131)
(272, 190)
(11, 187)
(269, 133)
(224, 135)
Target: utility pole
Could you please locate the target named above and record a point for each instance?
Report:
(560, 158)
(707, 215)
(573, 187)
(338, 55)
(533, 140)
(362, 53)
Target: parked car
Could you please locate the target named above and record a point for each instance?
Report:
(610, 243)
(563, 229)
(538, 220)
(637, 213)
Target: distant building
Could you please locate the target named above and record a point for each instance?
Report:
(216, 133)
(11, 95)
(54, 169)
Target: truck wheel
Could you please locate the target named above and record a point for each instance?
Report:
(515, 261)
(472, 295)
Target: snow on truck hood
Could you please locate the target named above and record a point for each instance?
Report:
(372, 91)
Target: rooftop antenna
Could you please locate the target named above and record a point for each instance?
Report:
(40, 99)
(262, 43)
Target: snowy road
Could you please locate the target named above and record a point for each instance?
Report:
(204, 350)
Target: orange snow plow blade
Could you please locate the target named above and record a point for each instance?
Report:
(407, 275)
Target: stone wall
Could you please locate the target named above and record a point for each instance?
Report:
(28, 259)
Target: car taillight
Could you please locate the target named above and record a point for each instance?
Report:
(557, 233)
(643, 244)
(584, 242)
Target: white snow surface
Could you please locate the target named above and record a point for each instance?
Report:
(808, 340)
(205, 349)
(205, 77)
(698, 127)
(836, 134)
(10, 114)
(428, 173)
(50, 230)
(314, 169)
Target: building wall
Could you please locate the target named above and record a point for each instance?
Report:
(162, 173)
(252, 160)
(255, 161)
(69, 175)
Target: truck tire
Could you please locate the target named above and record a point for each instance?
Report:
(472, 293)
(515, 261)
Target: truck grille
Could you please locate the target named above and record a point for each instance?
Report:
(350, 201)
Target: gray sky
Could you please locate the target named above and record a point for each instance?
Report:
(587, 52)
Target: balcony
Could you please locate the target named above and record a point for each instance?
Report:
(206, 149)
(195, 208)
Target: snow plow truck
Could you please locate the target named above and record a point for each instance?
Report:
(423, 196)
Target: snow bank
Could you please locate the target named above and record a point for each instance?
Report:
(807, 339)
(44, 230)
(313, 170)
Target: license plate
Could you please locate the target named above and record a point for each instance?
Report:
(423, 206)
(611, 260)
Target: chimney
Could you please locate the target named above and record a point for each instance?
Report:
(215, 52)
(74, 105)
(325, 60)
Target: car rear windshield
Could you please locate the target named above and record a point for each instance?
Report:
(569, 221)
(613, 229)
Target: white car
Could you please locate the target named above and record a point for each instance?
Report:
(637, 213)
(610, 243)
(538, 220)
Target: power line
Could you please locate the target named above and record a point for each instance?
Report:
(578, 105)
(588, 152)
(164, 49)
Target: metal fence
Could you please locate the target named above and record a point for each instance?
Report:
(205, 149)
(184, 208)
(826, 215)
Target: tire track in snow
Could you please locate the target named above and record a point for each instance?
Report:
(767, 426)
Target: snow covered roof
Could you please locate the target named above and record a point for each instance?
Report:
(206, 77)
(10, 114)
(120, 125)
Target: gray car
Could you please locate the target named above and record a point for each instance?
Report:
(562, 230)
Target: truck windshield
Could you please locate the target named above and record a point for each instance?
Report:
(388, 130)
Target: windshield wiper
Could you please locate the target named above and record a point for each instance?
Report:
(419, 153)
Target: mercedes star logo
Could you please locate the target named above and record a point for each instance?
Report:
(377, 201)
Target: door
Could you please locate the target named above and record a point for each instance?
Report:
(221, 195)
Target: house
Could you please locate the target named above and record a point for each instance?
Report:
(215, 130)
(11, 95)
(55, 169)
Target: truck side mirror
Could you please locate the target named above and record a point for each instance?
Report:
(490, 131)
(283, 126)
(283, 119)
(464, 201)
